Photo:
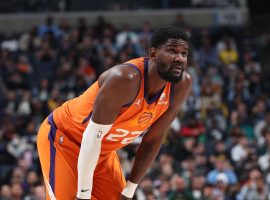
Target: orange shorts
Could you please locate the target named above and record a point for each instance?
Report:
(58, 157)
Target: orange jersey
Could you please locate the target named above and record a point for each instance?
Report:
(134, 119)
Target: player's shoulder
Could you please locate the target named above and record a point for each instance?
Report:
(121, 74)
(125, 71)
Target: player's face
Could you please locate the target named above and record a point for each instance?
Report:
(172, 59)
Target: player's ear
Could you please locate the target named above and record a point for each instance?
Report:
(152, 52)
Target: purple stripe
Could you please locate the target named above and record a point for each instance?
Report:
(51, 137)
(133, 66)
(87, 118)
(171, 93)
(145, 78)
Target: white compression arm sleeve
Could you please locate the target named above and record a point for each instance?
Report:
(88, 157)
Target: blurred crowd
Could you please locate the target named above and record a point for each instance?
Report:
(24, 6)
(217, 149)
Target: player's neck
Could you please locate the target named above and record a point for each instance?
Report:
(154, 82)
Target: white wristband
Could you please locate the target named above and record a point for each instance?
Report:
(129, 190)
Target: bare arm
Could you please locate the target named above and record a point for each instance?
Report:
(117, 87)
(153, 139)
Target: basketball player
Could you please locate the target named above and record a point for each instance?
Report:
(77, 143)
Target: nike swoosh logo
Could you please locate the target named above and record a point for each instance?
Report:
(82, 190)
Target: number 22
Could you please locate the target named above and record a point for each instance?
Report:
(126, 140)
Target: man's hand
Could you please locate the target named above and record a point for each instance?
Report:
(122, 197)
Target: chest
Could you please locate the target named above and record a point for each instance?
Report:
(141, 115)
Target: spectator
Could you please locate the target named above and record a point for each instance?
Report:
(259, 126)
(240, 151)
(86, 70)
(259, 110)
(207, 54)
(16, 191)
(179, 189)
(148, 189)
(103, 28)
(221, 187)
(17, 146)
(144, 36)
(193, 127)
(46, 61)
(254, 188)
(49, 27)
(222, 166)
(264, 159)
(30, 41)
(24, 107)
(30, 182)
(5, 193)
(124, 35)
(197, 185)
(39, 192)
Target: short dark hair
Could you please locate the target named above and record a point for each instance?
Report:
(163, 34)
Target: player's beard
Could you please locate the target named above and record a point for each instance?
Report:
(170, 77)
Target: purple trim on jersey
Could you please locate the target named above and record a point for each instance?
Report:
(136, 68)
(157, 95)
(87, 118)
(171, 93)
(133, 66)
(51, 138)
